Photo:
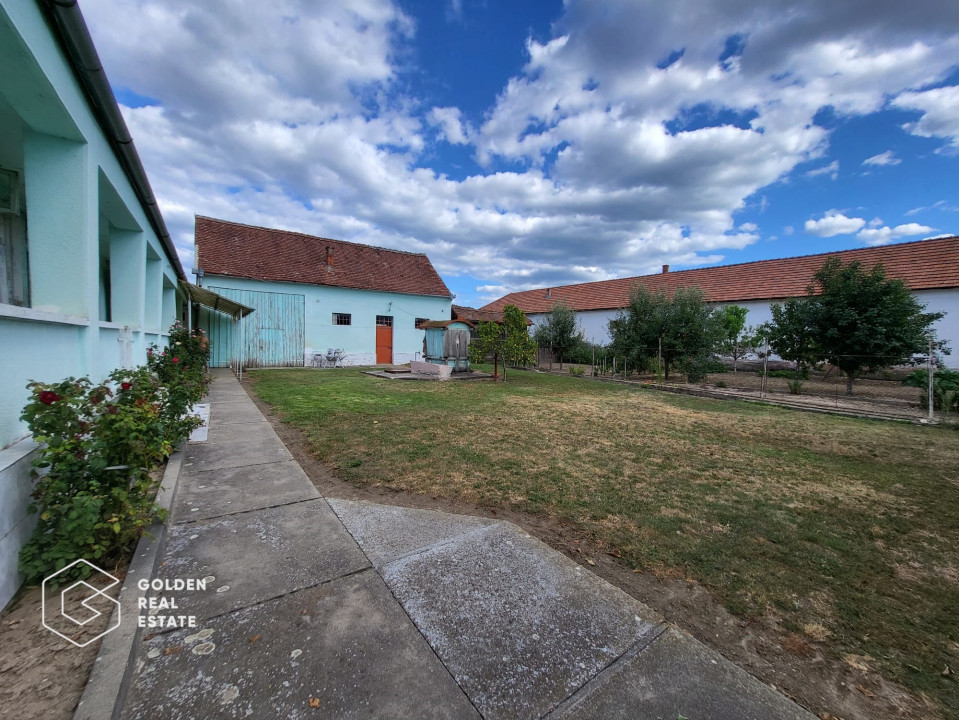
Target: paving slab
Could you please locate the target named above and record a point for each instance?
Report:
(239, 489)
(221, 414)
(257, 449)
(678, 676)
(344, 649)
(229, 432)
(387, 533)
(520, 626)
(257, 556)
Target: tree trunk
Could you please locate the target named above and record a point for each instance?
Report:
(495, 367)
(849, 379)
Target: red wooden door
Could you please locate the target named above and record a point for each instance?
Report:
(384, 340)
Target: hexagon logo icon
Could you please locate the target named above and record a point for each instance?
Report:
(79, 605)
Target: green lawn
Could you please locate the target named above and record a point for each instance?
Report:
(846, 529)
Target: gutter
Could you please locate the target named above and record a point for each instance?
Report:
(68, 26)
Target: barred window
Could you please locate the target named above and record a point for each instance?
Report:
(342, 319)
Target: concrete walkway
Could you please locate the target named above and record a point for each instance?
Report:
(324, 608)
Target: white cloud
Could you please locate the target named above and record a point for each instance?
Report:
(940, 113)
(884, 235)
(450, 123)
(883, 158)
(832, 169)
(834, 223)
(303, 115)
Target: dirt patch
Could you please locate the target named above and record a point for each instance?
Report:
(799, 665)
(43, 674)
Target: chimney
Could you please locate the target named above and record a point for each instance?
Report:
(665, 269)
(549, 293)
(329, 256)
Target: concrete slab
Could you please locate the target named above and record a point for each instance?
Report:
(221, 415)
(386, 532)
(231, 432)
(257, 449)
(230, 403)
(232, 490)
(677, 676)
(341, 650)
(258, 556)
(520, 626)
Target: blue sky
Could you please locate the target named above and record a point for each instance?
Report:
(535, 144)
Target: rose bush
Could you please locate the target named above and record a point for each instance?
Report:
(100, 443)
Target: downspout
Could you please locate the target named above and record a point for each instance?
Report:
(71, 31)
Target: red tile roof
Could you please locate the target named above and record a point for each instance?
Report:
(246, 251)
(474, 316)
(922, 265)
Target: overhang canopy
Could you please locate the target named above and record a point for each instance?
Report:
(212, 300)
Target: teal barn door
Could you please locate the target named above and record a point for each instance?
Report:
(273, 336)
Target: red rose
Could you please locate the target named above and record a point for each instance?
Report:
(125, 386)
(48, 397)
(176, 359)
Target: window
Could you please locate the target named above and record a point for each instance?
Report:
(14, 278)
(342, 319)
(384, 321)
(420, 321)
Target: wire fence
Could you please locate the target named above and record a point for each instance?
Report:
(888, 390)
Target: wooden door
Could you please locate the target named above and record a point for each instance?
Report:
(384, 340)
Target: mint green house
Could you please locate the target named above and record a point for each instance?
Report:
(89, 276)
(314, 294)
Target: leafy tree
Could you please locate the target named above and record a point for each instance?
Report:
(792, 332)
(559, 331)
(683, 326)
(736, 340)
(863, 321)
(509, 340)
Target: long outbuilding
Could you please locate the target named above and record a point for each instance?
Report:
(930, 268)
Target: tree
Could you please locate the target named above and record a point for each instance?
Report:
(863, 321)
(736, 340)
(509, 340)
(559, 331)
(683, 326)
(791, 333)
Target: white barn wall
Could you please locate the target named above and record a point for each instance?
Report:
(595, 323)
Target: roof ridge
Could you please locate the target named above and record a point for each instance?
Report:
(303, 234)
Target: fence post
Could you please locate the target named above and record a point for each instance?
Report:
(930, 392)
(762, 392)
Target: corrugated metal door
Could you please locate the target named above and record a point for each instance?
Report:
(274, 335)
(384, 340)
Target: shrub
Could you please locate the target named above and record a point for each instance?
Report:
(795, 387)
(576, 370)
(100, 444)
(786, 374)
(945, 388)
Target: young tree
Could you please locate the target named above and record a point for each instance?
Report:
(683, 326)
(559, 331)
(509, 340)
(791, 333)
(736, 340)
(863, 321)
(518, 347)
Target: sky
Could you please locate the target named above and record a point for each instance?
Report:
(542, 143)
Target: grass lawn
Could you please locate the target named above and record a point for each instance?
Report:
(847, 530)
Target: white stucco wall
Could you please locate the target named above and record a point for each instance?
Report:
(595, 323)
